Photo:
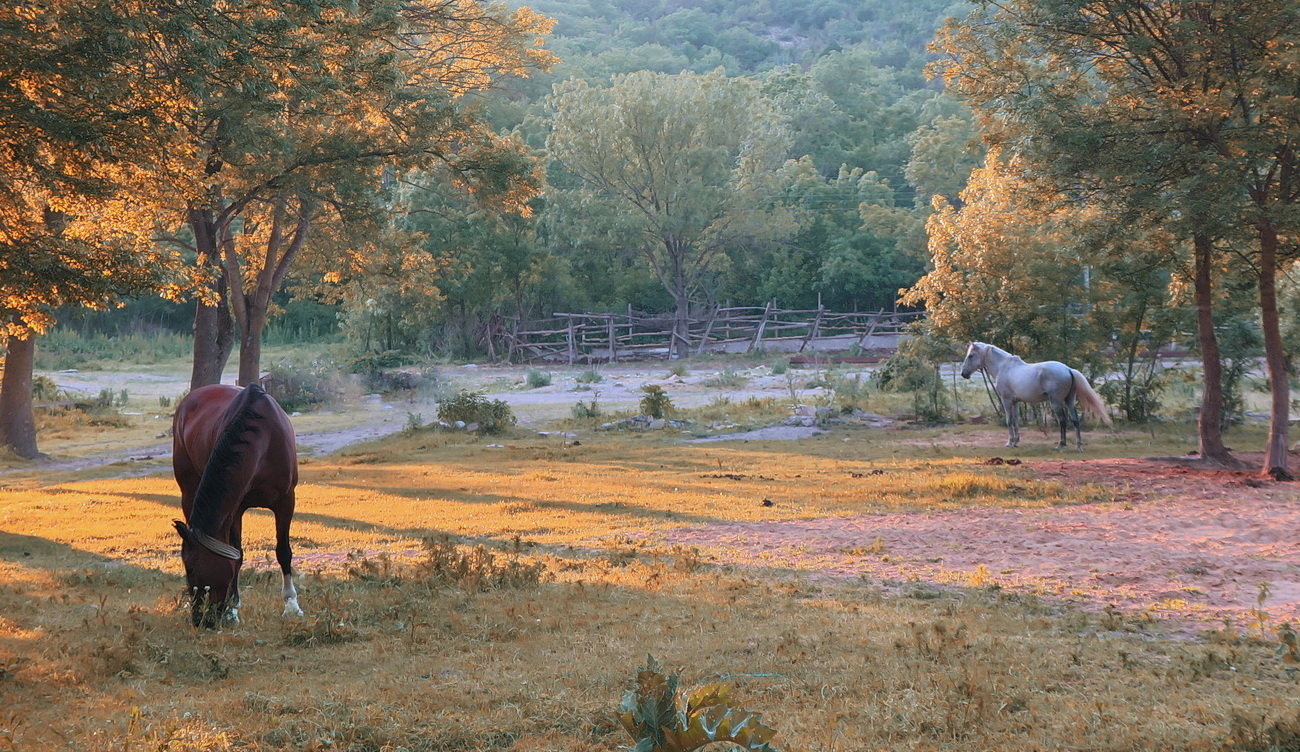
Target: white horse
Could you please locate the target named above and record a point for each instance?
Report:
(1016, 381)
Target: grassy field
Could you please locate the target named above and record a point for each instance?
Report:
(501, 593)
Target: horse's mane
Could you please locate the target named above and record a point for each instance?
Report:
(208, 510)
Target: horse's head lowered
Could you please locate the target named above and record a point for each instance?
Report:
(210, 571)
(974, 359)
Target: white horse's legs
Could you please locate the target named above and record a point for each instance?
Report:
(290, 594)
(1061, 412)
(1011, 408)
(1067, 414)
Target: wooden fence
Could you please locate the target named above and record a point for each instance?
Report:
(609, 337)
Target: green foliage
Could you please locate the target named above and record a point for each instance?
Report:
(716, 141)
(780, 366)
(45, 390)
(298, 386)
(66, 347)
(538, 378)
(656, 403)
(1240, 347)
(589, 376)
(913, 373)
(850, 392)
(584, 410)
(373, 362)
(492, 416)
(679, 369)
(660, 717)
(1138, 399)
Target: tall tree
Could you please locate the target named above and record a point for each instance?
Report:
(77, 130)
(685, 163)
(308, 112)
(1003, 270)
(1176, 107)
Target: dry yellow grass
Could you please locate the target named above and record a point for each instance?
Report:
(392, 655)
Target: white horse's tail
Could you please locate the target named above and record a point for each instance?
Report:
(1089, 397)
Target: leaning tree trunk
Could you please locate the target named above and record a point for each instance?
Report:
(214, 327)
(17, 422)
(1275, 459)
(1210, 424)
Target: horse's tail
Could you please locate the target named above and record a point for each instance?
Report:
(1089, 397)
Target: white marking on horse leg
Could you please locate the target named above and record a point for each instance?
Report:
(290, 597)
(232, 615)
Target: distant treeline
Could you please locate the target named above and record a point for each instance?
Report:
(843, 223)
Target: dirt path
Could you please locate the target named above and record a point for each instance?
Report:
(1185, 546)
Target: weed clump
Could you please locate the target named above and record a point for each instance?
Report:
(492, 416)
(477, 571)
(585, 410)
(656, 403)
(660, 717)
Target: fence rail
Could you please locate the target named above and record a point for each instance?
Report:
(609, 337)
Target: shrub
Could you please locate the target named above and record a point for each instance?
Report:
(370, 362)
(538, 378)
(492, 416)
(780, 366)
(656, 403)
(590, 376)
(296, 386)
(45, 390)
(679, 370)
(907, 373)
(588, 409)
(405, 380)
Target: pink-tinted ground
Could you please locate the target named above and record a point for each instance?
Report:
(1187, 546)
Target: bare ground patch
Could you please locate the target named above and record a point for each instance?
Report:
(1180, 544)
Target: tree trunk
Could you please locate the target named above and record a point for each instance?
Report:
(250, 347)
(1210, 424)
(681, 344)
(17, 423)
(251, 306)
(1275, 459)
(214, 328)
(214, 339)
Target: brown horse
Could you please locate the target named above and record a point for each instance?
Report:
(232, 449)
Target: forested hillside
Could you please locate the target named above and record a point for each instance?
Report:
(859, 140)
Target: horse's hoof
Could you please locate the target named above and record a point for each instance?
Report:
(291, 609)
(232, 616)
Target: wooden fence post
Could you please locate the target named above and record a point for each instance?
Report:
(875, 319)
(816, 324)
(613, 341)
(704, 339)
(573, 345)
(758, 336)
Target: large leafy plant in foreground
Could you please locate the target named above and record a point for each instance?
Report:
(663, 718)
